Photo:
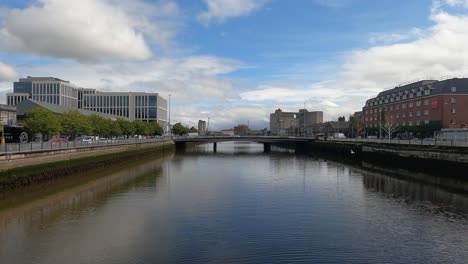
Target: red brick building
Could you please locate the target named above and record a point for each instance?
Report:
(419, 103)
(241, 130)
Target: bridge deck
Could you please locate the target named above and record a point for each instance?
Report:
(259, 139)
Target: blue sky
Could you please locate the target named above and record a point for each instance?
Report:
(236, 61)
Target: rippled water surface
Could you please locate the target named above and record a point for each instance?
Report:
(238, 205)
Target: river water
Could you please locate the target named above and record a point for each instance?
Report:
(238, 205)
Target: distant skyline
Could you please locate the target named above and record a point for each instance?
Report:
(236, 61)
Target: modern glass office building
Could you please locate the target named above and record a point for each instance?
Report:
(147, 107)
(44, 89)
(134, 106)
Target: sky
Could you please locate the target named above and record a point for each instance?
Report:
(236, 61)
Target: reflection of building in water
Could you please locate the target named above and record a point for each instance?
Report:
(93, 191)
(417, 191)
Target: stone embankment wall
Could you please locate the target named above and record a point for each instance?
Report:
(422, 158)
(26, 169)
(14, 160)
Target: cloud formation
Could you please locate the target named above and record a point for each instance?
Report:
(85, 30)
(195, 82)
(7, 73)
(222, 10)
(437, 52)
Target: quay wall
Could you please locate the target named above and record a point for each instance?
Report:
(23, 169)
(13, 160)
(442, 160)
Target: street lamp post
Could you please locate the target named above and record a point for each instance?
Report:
(380, 123)
(304, 119)
(169, 125)
(3, 134)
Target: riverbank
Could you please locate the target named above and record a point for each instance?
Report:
(442, 165)
(66, 165)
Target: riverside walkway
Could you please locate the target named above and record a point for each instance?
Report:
(13, 148)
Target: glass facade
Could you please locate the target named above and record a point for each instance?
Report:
(22, 87)
(133, 106)
(147, 107)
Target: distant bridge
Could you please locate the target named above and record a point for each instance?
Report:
(265, 140)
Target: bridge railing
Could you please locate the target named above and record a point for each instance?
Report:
(426, 142)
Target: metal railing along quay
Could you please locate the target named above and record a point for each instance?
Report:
(426, 142)
(11, 148)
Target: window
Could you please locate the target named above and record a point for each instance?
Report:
(453, 122)
(411, 95)
(426, 102)
(410, 114)
(397, 107)
(391, 107)
(453, 100)
(410, 104)
(418, 113)
(403, 106)
(454, 111)
(427, 92)
(418, 103)
(410, 123)
(404, 97)
(418, 94)
(426, 122)
(403, 114)
(397, 115)
(426, 112)
(403, 124)
(454, 89)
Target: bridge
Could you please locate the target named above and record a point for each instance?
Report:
(265, 140)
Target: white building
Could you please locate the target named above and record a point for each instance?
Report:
(147, 107)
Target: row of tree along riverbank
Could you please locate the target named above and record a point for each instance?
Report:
(73, 123)
(27, 175)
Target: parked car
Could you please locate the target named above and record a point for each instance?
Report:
(58, 140)
(85, 139)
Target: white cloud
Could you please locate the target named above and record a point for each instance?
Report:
(455, 2)
(221, 10)
(390, 38)
(192, 81)
(7, 72)
(87, 30)
(437, 52)
(322, 96)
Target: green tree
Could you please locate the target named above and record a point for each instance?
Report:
(193, 130)
(41, 120)
(101, 126)
(156, 129)
(127, 127)
(114, 129)
(179, 129)
(141, 127)
(74, 123)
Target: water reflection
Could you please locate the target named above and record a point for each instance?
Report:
(238, 205)
(436, 199)
(82, 192)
